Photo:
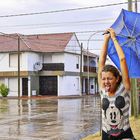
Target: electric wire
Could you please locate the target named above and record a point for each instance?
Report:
(50, 25)
(64, 10)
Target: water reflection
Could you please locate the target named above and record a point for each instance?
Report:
(3, 106)
(64, 119)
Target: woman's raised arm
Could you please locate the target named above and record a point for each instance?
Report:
(123, 64)
(102, 58)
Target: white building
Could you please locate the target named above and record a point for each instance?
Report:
(50, 64)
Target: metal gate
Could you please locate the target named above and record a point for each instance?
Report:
(48, 85)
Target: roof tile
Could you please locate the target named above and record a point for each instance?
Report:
(37, 43)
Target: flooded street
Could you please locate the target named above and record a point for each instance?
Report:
(49, 118)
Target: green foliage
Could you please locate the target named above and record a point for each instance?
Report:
(4, 90)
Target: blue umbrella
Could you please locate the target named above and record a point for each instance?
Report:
(127, 28)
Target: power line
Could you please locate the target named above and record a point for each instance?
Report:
(77, 32)
(55, 24)
(65, 10)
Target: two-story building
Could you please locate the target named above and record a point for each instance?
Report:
(46, 64)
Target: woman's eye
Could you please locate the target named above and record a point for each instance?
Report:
(110, 78)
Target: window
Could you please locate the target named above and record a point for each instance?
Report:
(77, 62)
(92, 86)
(13, 84)
(77, 66)
(92, 63)
(13, 60)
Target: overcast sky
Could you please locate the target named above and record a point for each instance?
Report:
(79, 21)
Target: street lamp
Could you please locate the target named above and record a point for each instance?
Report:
(88, 82)
(88, 73)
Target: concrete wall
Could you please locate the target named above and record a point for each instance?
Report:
(69, 85)
(70, 62)
(27, 61)
(34, 85)
(32, 58)
(73, 46)
(53, 58)
(92, 86)
(12, 84)
(4, 62)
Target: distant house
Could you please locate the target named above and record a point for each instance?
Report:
(46, 64)
(89, 73)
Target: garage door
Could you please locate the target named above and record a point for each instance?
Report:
(48, 85)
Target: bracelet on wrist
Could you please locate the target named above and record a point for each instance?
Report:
(114, 39)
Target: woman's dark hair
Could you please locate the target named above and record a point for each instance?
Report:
(114, 71)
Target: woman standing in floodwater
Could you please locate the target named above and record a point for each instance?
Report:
(115, 94)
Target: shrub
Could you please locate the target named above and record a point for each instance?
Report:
(4, 90)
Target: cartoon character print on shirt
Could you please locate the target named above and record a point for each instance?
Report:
(113, 115)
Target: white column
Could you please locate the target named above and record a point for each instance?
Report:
(58, 88)
(29, 86)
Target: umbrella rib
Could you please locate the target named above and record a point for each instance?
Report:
(126, 27)
(137, 54)
(137, 35)
(121, 35)
(134, 26)
(137, 41)
(125, 43)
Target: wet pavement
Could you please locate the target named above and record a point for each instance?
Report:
(49, 118)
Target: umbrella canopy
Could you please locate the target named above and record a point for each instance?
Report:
(127, 28)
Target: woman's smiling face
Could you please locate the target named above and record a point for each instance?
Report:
(109, 81)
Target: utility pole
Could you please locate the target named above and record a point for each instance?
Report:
(133, 80)
(18, 66)
(129, 5)
(81, 65)
(136, 6)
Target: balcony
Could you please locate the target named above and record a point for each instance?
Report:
(91, 69)
(53, 66)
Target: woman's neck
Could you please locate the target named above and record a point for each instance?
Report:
(111, 94)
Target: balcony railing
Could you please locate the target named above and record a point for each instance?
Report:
(53, 66)
(91, 69)
(60, 67)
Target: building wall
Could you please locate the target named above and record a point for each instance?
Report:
(69, 85)
(34, 85)
(4, 62)
(73, 46)
(27, 61)
(92, 86)
(12, 84)
(53, 58)
(58, 58)
(71, 61)
(32, 58)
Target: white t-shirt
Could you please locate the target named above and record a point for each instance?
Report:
(115, 111)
